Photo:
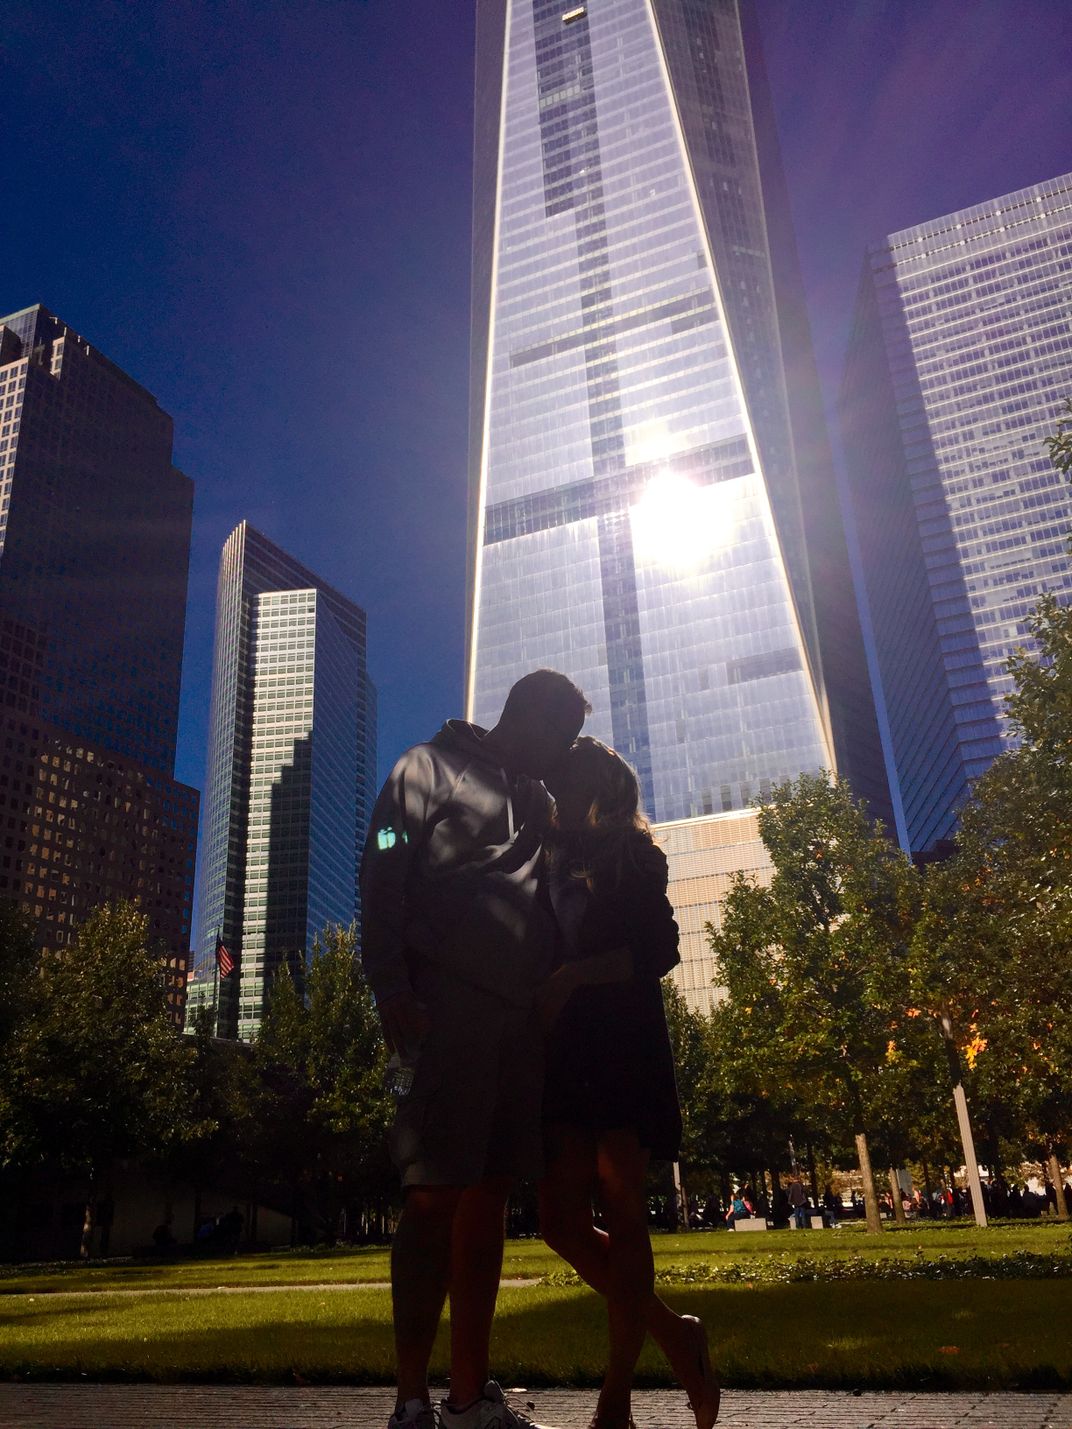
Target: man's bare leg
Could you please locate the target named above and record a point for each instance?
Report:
(420, 1277)
(476, 1268)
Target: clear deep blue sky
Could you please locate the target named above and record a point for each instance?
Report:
(261, 211)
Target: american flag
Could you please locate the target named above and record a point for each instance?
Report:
(224, 961)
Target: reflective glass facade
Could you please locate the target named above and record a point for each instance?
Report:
(292, 768)
(636, 513)
(960, 362)
(94, 550)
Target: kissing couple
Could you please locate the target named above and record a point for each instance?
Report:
(515, 927)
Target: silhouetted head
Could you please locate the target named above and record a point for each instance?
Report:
(541, 718)
(594, 788)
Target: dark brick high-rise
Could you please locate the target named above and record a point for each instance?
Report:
(94, 554)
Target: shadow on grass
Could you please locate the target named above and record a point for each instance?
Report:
(933, 1336)
(917, 1336)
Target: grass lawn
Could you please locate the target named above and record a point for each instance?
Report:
(63, 1322)
(924, 1335)
(531, 1258)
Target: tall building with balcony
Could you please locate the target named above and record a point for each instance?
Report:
(653, 508)
(292, 765)
(958, 369)
(94, 551)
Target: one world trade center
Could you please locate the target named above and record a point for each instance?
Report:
(653, 508)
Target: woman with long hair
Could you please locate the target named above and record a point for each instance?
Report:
(610, 1101)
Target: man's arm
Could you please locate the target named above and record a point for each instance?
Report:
(396, 834)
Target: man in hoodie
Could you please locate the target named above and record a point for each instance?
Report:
(454, 946)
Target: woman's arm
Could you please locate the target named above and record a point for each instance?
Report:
(615, 966)
(650, 929)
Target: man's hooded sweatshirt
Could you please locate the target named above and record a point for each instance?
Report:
(451, 871)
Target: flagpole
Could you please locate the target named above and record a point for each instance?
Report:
(216, 986)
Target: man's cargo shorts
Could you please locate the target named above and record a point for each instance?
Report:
(474, 1108)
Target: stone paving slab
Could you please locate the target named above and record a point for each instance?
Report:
(94, 1406)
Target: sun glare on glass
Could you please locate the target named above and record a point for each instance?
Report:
(679, 524)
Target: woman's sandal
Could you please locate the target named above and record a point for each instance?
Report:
(706, 1410)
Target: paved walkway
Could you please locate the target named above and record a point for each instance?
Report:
(93, 1406)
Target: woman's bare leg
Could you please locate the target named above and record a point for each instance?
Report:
(621, 1166)
(566, 1224)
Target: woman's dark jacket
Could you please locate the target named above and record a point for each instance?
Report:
(610, 1064)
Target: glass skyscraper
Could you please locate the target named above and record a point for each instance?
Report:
(292, 767)
(650, 499)
(94, 551)
(960, 362)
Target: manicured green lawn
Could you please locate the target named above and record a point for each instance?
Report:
(531, 1258)
(924, 1335)
(66, 1321)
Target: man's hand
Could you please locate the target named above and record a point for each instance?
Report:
(404, 1021)
(552, 996)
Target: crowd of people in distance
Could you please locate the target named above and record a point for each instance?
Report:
(792, 1204)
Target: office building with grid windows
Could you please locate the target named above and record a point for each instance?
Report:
(652, 507)
(959, 367)
(291, 775)
(94, 550)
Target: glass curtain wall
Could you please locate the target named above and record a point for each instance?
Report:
(626, 529)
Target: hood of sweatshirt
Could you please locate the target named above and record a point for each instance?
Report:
(465, 738)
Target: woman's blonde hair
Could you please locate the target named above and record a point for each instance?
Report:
(615, 786)
(614, 816)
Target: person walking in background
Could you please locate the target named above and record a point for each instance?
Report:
(454, 946)
(798, 1202)
(832, 1207)
(611, 1103)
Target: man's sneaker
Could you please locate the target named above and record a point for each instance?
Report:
(414, 1414)
(491, 1411)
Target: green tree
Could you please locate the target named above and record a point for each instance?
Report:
(1059, 445)
(756, 1109)
(993, 952)
(18, 958)
(689, 1038)
(347, 1061)
(324, 1110)
(816, 963)
(225, 1101)
(95, 1068)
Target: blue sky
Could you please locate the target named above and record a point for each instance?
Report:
(261, 211)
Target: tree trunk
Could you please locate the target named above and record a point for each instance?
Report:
(960, 1101)
(1061, 1201)
(813, 1178)
(994, 1151)
(681, 1199)
(197, 1211)
(89, 1216)
(895, 1191)
(926, 1181)
(773, 1199)
(871, 1210)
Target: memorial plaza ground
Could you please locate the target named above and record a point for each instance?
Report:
(922, 1327)
(186, 1406)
